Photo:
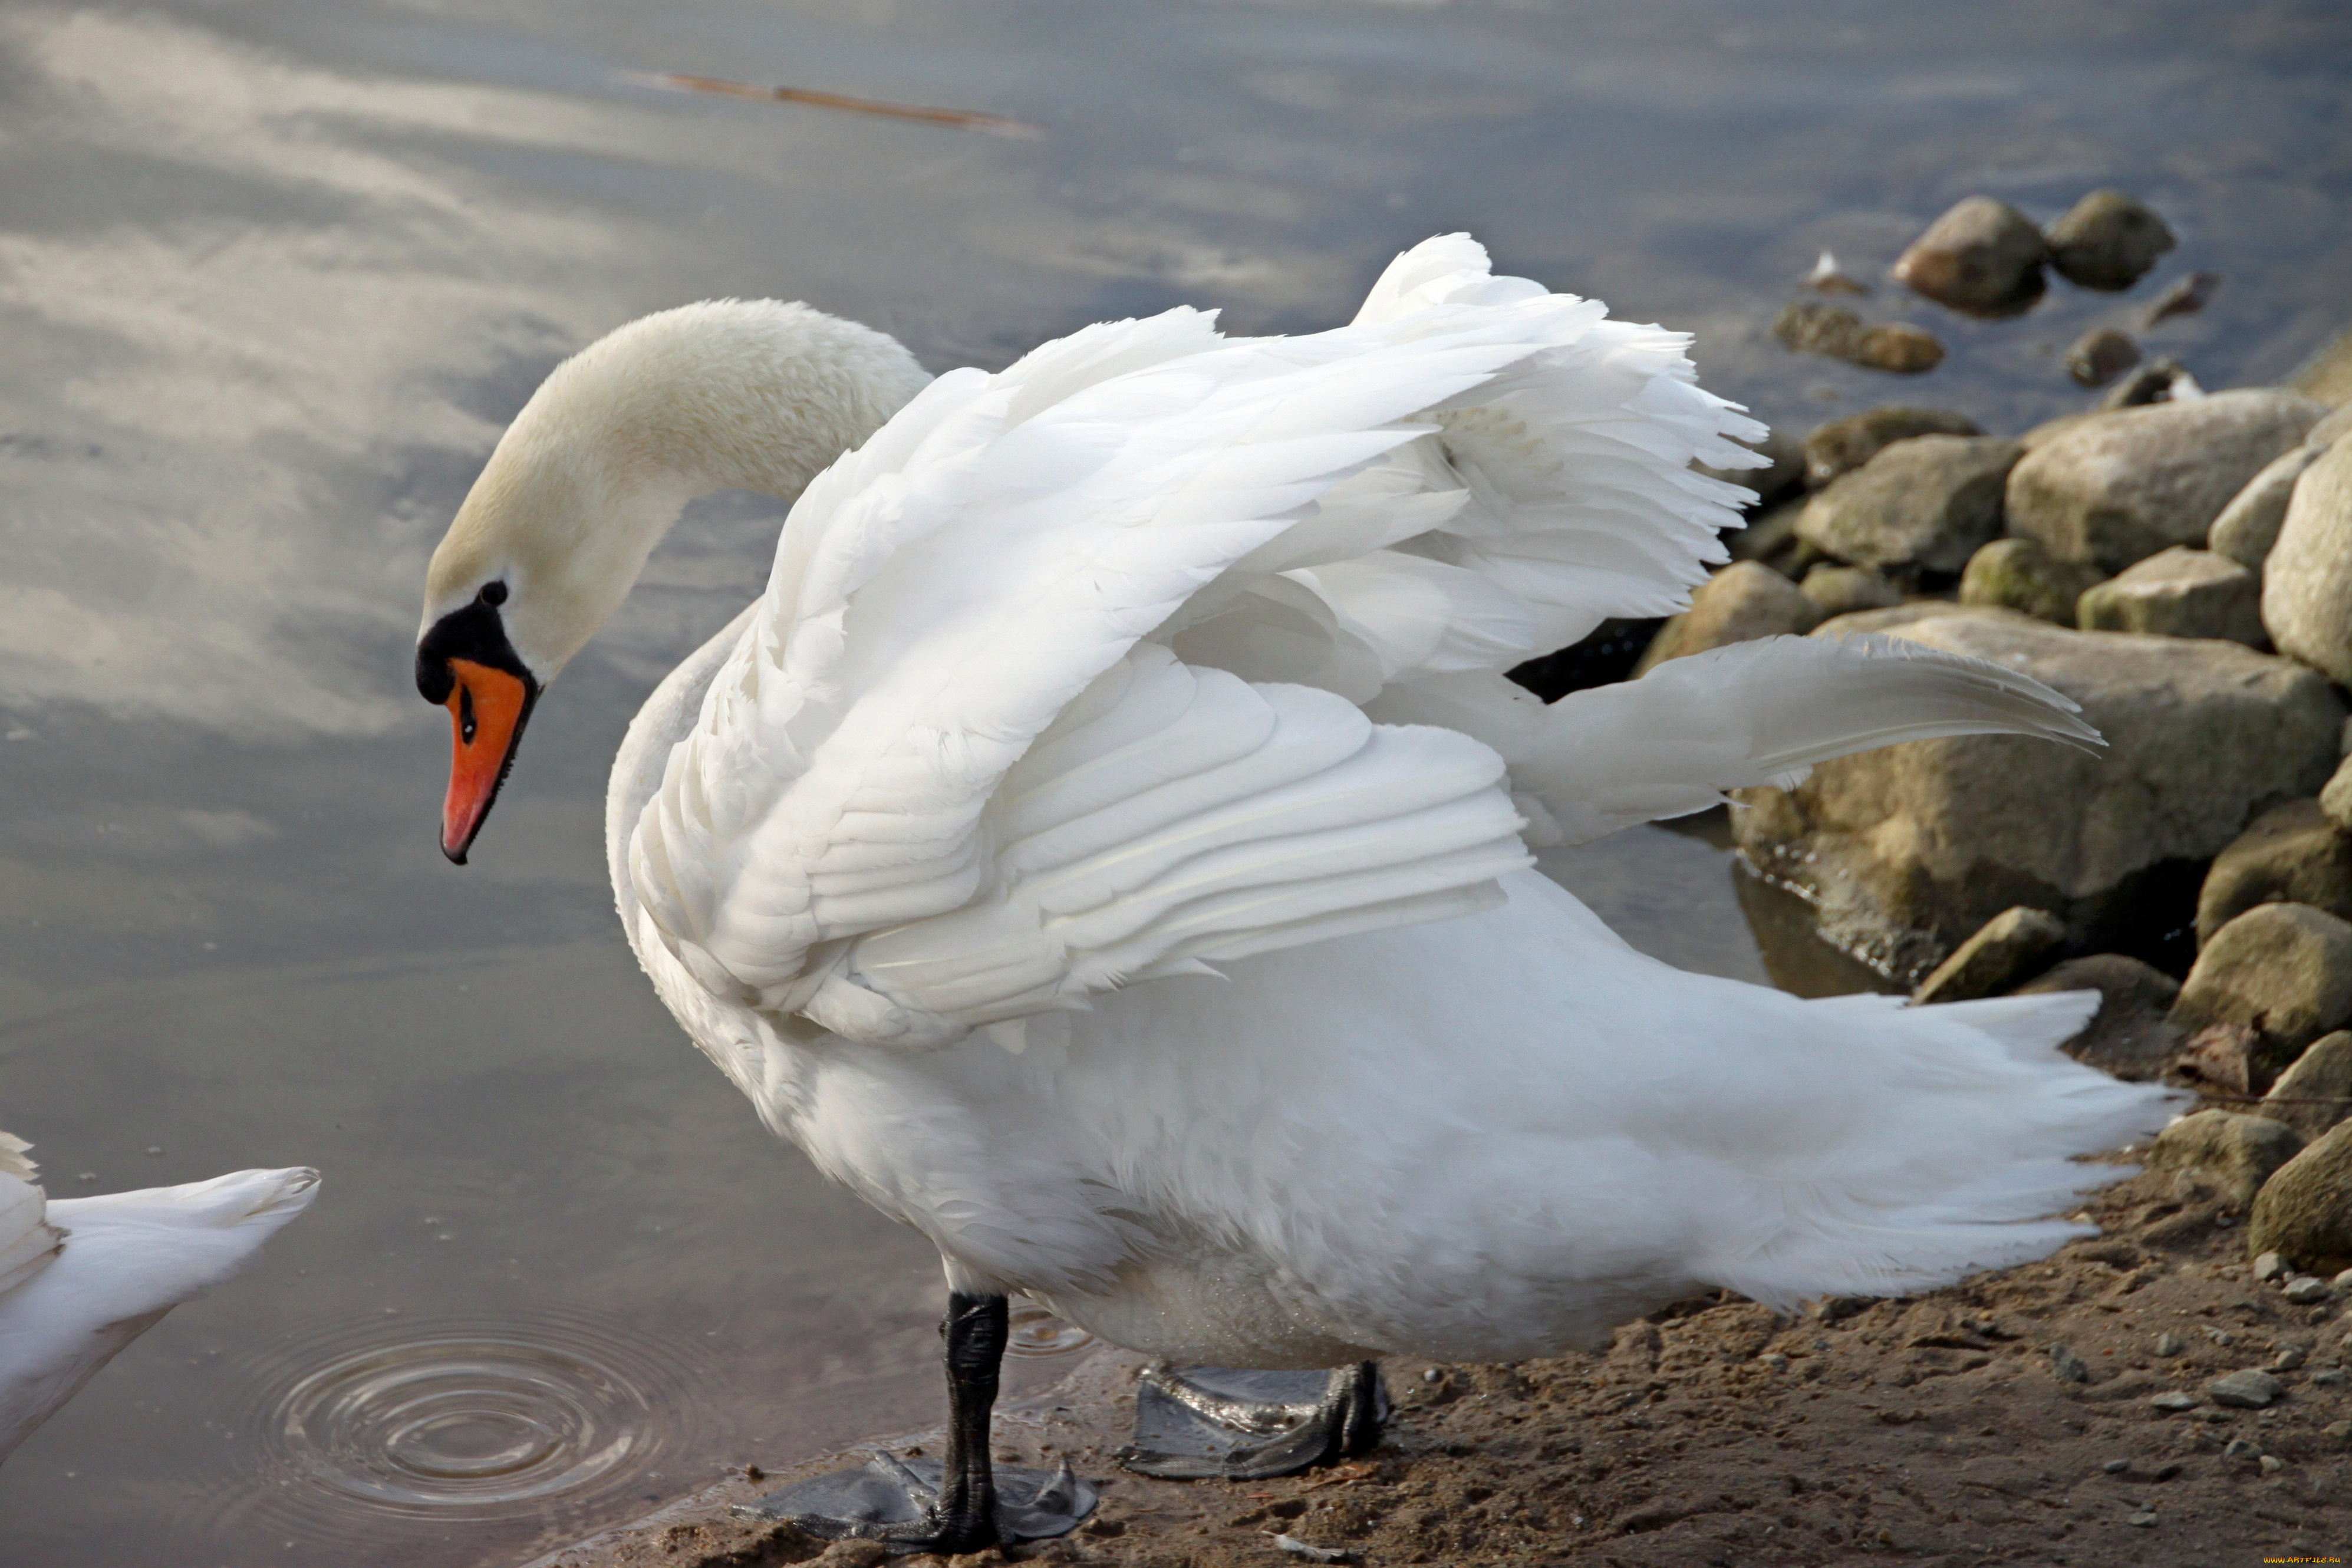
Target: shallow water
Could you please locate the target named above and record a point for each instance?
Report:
(275, 274)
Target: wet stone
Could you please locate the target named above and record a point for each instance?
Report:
(2183, 297)
(2012, 944)
(2247, 1389)
(2292, 853)
(2109, 240)
(2100, 356)
(1841, 445)
(1983, 257)
(2019, 574)
(1899, 349)
(1928, 502)
(2118, 488)
(1742, 601)
(2156, 381)
(2249, 526)
(2178, 592)
(1812, 327)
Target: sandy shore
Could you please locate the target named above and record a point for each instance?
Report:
(1941, 1430)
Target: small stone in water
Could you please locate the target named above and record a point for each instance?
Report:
(2108, 240)
(1829, 278)
(1900, 348)
(2100, 356)
(2247, 1389)
(86, 1176)
(2186, 297)
(2169, 1343)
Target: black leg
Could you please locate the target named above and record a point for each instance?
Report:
(949, 1506)
(1197, 1422)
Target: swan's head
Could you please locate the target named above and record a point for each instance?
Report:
(726, 395)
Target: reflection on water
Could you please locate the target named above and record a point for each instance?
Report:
(1037, 1332)
(275, 274)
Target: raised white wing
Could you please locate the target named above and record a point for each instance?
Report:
(943, 594)
(1546, 499)
(1759, 712)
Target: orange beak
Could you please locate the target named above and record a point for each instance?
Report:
(487, 710)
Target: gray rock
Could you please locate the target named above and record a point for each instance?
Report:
(2175, 1402)
(2290, 854)
(1812, 327)
(2019, 574)
(2236, 1154)
(2182, 297)
(2178, 592)
(2100, 356)
(1841, 590)
(1742, 601)
(2292, 1358)
(2160, 380)
(1771, 539)
(1899, 348)
(2107, 240)
(1905, 851)
(2130, 1036)
(2269, 1267)
(1928, 502)
(1786, 469)
(2330, 430)
(1841, 445)
(2307, 577)
(2336, 797)
(2314, 1093)
(1983, 257)
(2012, 944)
(2303, 1212)
(2068, 1367)
(2304, 1290)
(2042, 435)
(2170, 1345)
(2250, 524)
(2282, 970)
(2118, 488)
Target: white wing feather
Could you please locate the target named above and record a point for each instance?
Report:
(1760, 712)
(942, 594)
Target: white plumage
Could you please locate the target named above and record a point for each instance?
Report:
(81, 1277)
(1102, 845)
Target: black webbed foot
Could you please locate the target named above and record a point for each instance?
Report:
(896, 1501)
(1196, 1422)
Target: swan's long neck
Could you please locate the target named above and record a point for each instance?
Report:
(729, 394)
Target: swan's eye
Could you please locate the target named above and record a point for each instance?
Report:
(494, 594)
(466, 714)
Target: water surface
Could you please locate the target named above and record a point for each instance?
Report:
(274, 274)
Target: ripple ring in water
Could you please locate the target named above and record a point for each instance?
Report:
(465, 1420)
(1034, 1331)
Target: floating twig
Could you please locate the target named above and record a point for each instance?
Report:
(957, 119)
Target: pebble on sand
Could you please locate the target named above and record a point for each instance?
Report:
(2248, 1390)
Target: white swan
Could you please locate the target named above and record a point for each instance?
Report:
(1100, 847)
(81, 1277)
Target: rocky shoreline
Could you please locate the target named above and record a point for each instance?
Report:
(2179, 564)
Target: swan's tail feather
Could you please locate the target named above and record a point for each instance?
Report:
(1980, 1122)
